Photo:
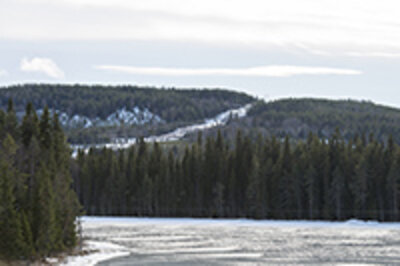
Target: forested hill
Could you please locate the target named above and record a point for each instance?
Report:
(101, 101)
(98, 114)
(298, 117)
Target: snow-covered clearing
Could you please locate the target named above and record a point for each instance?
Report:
(220, 119)
(187, 241)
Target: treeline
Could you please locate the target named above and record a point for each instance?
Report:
(38, 207)
(298, 117)
(263, 178)
(172, 105)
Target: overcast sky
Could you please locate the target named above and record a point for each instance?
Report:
(271, 49)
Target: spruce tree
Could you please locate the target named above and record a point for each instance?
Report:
(254, 191)
(393, 189)
(12, 239)
(11, 122)
(29, 126)
(45, 128)
(44, 214)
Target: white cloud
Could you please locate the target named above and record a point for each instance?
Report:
(43, 65)
(261, 71)
(325, 26)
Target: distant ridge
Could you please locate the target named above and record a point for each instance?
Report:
(95, 113)
(299, 117)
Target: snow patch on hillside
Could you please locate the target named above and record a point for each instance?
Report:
(122, 116)
(134, 117)
(219, 120)
(179, 133)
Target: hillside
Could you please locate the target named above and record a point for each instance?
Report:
(99, 113)
(298, 117)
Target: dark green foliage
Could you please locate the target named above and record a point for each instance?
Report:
(100, 101)
(298, 117)
(11, 122)
(264, 178)
(38, 208)
(44, 215)
(12, 239)
(175, 107)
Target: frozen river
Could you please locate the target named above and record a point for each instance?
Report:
(246, 242)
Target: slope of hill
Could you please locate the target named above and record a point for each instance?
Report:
(100, 113)
(298, 117)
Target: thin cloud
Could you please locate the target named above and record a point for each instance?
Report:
(3, 72)
(261, 71)
(42, 65)
(374, 54)
(323, 26)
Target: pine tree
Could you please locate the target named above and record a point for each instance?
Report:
(254, 191)
(393, 187)
(311, 191)
(359, 187)
(28, 248)
(2, 124)
(12, 239)
(44, 228)
(131, 180)
(285, 184)
(29, 126)
(45, 128)
(298, 173)
(11, 122)
(337, 191)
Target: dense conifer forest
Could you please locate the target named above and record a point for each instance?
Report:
(298, 117)
(172, 105)
(263, 178)
(82, 103)
(38, 207)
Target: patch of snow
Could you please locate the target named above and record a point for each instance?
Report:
(98, 251)
(179, 133)
(220, 119)
(76, 121)
(52, 261)
(122, 116)
(134, 117)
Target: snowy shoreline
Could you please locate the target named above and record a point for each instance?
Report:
(97, 252)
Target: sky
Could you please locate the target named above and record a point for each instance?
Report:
(269, 49)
